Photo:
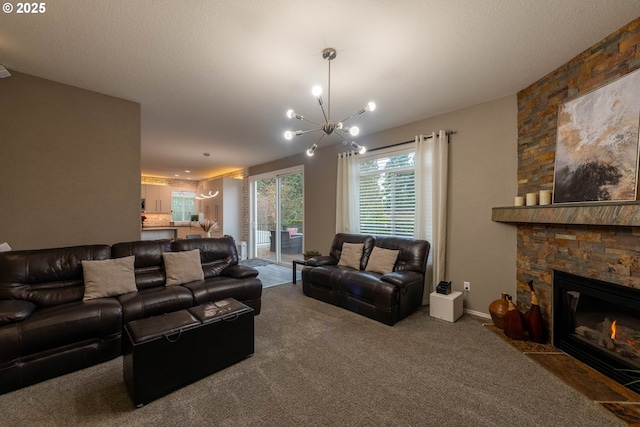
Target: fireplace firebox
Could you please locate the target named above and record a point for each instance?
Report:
(598, 323)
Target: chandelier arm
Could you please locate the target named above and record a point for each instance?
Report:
(311, 121)
(302, 132)
(350, 117)
(343, 137)
(322, 108)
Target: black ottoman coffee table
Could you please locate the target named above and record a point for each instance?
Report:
(167, 352)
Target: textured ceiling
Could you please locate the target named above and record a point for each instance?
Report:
(217, 76)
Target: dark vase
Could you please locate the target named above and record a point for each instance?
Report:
(533, 318)
(513, 327)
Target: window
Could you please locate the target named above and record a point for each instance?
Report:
(387, 194)
(183, 205)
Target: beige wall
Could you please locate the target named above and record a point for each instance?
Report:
(69, 165)
(482, 169)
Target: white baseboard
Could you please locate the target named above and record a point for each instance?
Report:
(477, 313)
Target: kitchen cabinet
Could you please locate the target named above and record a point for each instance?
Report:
(225, 208)
(157, 198)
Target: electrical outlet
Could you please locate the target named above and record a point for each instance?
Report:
(467, 286)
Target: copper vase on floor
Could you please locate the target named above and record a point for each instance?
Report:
(498, 309)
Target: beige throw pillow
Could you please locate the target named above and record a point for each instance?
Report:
(351, 255)
(182, 267)
(382, 260)
(109, 277)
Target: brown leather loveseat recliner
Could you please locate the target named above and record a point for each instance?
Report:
(387, 297)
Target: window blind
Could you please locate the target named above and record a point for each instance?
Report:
(387, 195)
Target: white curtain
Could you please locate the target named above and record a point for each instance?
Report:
(347, 198)
(432, 153)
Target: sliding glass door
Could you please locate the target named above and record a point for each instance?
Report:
(277, 215)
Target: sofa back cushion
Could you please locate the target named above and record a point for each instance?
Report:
(340, 238)
(216, 253)
(149, 265)
(47, 277)
(412, 255)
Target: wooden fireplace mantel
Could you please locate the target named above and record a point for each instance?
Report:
(622, 214)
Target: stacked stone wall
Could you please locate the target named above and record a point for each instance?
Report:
(602, 252)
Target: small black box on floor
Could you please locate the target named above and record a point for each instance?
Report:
(165, 353)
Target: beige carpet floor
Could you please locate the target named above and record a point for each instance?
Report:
(320, 365)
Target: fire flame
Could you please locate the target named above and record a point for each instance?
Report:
(614, 328)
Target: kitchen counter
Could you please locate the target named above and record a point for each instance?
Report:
(156, 233)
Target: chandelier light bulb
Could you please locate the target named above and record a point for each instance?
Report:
(316, 91)
(354, 130)
(371, 106)
(362, 149)
(288, 135)
(293, 115)
(312, 150)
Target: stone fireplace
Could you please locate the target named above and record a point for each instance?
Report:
(595, 246)
(593, 240)
(599, 241)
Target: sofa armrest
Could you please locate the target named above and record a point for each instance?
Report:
(402, 278)
(239, 272)
(321, 260)
(15, 310)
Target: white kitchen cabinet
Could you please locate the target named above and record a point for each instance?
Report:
(225, 208)
(157, 198)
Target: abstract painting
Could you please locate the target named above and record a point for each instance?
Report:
(597, 147)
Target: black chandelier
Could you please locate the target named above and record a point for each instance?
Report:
(328, 127)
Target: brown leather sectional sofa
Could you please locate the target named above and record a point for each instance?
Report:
(47, 330)
(388, 297)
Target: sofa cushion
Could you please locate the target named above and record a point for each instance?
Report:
(108, 277)
(216, 254)
(15, 310)
(182, 267)
(367, 286)
(221, 287)
(351, 255)
(413, 252)
(47, 277)
(68, 324)
(382, 260)
(341, 238)
(149, 265)
(154, 301)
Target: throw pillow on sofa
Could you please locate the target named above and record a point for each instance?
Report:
(351, 255)
(182, 267)
(109, 277)
(382, 260)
